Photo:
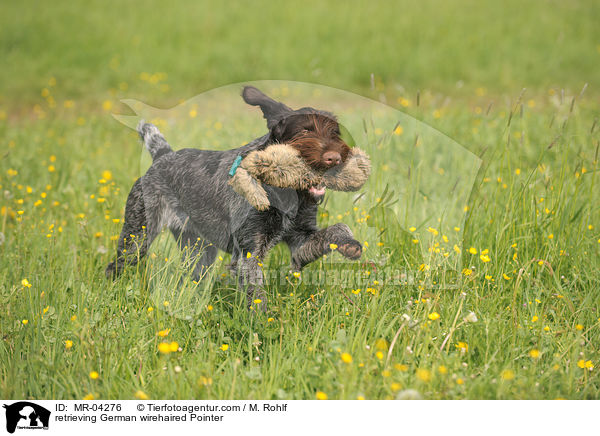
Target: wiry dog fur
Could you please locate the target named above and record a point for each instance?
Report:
(282, 165)
(188, 192)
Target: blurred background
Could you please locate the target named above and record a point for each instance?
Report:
(163, 52)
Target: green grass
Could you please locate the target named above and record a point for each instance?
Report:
(534, 204)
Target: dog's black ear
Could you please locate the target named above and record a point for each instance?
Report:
(273, 111)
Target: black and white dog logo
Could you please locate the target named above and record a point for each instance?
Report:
(26, 415)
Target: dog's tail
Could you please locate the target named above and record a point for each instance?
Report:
(153, 140)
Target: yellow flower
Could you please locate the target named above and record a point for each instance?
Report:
(209, 308)
(224, 347)
(534, 319)
(26, 283)
(506, 277)
(579, 327)
(257, 301)
(88, 397)
(551, 236)
(333, 246)
(74, 317)
(585, 364)
(346, 358)
(51, 168)
(248, 255)
(485, 258)
(321, 395)
(460, 381)
(433, 316)
(546, 329)
(94, 375)
(386, 373)
(442, 369)
(174, 346)
(462, 346)
(473, 250)
(68, 344)
(507, 374)
(205, 381)
(270, 319)
(401, 367)
(381, 344)
(163, 333)
(164, 348)
(395, 387)
(534, 354)
(379, 355)
(25, 322)
(423, 375)
(412, 228)
(140, 395)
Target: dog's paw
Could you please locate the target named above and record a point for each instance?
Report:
(351, 250)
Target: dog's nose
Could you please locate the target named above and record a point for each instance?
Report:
(332, 158)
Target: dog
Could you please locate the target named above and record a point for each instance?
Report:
(188, 192)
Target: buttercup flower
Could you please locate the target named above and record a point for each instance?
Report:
(140, 395)
(321, 395)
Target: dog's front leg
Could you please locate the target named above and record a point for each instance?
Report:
(250, 276)
(309, 246)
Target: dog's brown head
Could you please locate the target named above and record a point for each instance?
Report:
(314, 133)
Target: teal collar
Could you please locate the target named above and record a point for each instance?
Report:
(235, 165)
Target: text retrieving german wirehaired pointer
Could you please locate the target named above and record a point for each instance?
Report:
(188, 192)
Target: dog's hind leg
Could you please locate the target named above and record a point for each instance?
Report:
(250, 276)
(309, 246)
(197, 254)
(139, 230)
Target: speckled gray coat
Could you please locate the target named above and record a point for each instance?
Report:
(188, 192)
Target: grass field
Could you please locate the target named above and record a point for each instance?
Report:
(524, 320)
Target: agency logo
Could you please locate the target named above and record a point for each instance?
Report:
(26, 415)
